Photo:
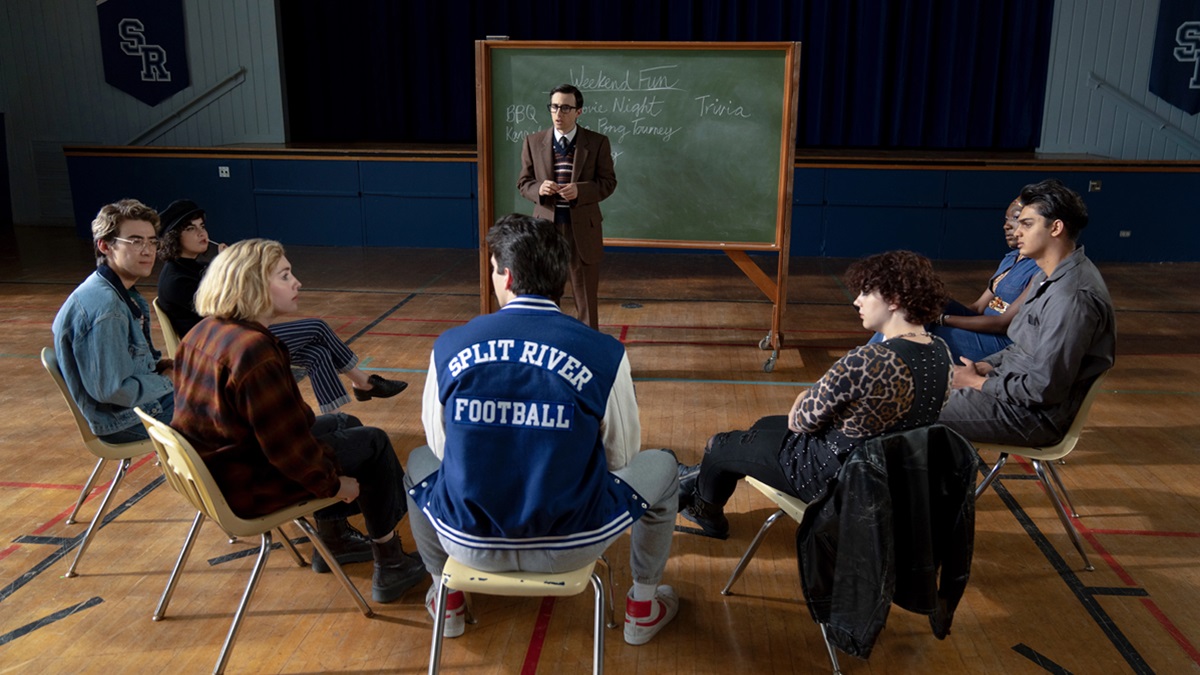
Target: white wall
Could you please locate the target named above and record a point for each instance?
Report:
(53, 93)
(1114, 114)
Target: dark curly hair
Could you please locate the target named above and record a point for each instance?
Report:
(169, 245)
(904, 278)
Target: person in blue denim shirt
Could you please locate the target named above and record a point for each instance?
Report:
(102, 332)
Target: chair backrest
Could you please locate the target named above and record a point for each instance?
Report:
(50, 363)
(1068, 442)
(186, 472)
(170, 338)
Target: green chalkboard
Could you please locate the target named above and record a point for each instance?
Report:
(702, 134)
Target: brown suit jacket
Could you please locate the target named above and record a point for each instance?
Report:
(593, 173)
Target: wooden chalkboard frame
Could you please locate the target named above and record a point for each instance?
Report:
(774, 288)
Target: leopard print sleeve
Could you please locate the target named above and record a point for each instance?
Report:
(865, 392)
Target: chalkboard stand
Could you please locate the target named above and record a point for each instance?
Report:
(757, 199)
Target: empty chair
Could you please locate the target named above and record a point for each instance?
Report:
(1042, 459)
(122, 452)
(188, 475)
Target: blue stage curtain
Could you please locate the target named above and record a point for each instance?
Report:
(916, 74)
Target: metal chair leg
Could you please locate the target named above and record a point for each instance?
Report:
(165, 600)
(91, 531)
(758, 539)
(335, 566)
(1061, 488)
(87, 488)
(1062, 514)
(612, 610)
(987, 480)
(598, 632)
(287, 543)
(439, 626)
(837, 669)
(264, 552)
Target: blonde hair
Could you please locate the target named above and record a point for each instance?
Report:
(237, 283)
(106, 226)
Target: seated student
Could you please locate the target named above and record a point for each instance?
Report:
(1065, 337)
(533, 458)
(311, 342)
(102, 332)
(978, 329)
(239, 405)
(897, 384)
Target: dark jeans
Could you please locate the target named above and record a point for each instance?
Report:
(138, 431)
(733, 455)
(365, 454)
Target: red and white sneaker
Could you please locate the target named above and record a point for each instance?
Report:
(456, 611)
(644, 619)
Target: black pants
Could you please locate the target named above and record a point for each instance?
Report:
(365, 454)
(733, 455)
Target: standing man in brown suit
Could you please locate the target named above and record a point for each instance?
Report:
(566, 172)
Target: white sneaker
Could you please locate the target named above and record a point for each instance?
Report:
(456, 611)
(644, 619)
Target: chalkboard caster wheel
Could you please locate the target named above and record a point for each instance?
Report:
(770, 364)
(765, 343)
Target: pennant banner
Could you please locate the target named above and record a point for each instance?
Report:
(144, 48)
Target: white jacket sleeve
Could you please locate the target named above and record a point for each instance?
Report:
(432, 415)
(621, 431)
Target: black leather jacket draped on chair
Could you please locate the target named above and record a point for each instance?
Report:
(901, 510)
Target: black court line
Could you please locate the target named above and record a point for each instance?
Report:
(248, 552)
(380, 318)
(1121, 591)
(1084, 594)
(19, 583)
(34, 539)
(46, 621)
(1040, 660)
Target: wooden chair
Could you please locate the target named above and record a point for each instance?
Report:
(187, 474)
(1042, 459)
(794, 508)
(122, 452)
(461, 577)
(170, 339)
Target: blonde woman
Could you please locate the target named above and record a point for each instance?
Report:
(239, 405)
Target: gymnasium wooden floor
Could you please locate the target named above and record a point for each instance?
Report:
(691, 323)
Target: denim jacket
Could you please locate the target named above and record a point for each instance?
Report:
(106, 359)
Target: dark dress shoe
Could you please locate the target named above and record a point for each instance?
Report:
(380, 388)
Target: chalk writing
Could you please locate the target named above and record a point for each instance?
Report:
(517, 113)
(648, 105)
(711, 106)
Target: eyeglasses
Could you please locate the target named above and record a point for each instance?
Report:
(141, 242)
(568, 109)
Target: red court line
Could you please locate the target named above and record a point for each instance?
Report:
(624, 333)
(388, 334)
(538, 639)
(95, 491)
(1172, 630)
(9, 551)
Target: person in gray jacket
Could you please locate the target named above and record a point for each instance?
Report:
(1064, 336)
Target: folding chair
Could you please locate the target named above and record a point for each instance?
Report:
(187, 474)
(170, 338)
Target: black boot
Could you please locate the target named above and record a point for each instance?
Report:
(710, 517)
(395, 571)
(347, 544)
(688, 476)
